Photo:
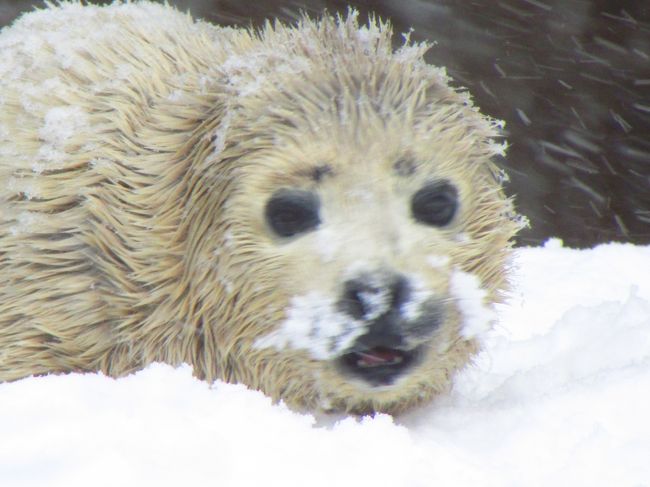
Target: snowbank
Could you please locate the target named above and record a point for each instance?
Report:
(560, 396)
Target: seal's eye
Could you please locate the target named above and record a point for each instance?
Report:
(435, 204)
(292, 211)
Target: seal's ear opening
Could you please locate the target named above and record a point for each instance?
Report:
(435, 204)
(290, 212)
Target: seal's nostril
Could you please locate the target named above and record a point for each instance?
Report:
(370, 297)
(352, 302)
(399, 292)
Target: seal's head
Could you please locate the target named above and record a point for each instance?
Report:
(368, 226)
(303, 209)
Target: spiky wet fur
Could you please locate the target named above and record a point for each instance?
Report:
(130, 227)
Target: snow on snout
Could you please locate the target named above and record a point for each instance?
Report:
(419, 294)
(477, 316)
(314, 324)
(376, 301)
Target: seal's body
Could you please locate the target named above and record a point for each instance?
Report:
(303, 209)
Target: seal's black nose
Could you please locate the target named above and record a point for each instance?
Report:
(393, 340)
(368, 297)
(378, 356)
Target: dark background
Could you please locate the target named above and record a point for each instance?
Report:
(571, 78)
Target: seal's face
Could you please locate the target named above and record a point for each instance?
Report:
(363, 234)
(363, 300)
(377, 313)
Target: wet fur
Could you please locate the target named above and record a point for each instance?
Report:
(138, 236)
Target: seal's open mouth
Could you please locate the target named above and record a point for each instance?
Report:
(379, 366)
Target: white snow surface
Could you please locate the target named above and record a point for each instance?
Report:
(560, 396)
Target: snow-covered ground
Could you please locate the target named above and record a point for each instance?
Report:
(560, 397)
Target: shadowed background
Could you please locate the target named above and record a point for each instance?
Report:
(571, 78)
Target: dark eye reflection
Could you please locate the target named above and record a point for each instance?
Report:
(435, 204)
(291, 212)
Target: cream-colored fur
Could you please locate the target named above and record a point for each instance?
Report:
(137, 151)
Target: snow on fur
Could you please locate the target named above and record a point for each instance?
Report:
(139, 149)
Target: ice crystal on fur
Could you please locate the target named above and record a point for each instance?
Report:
(438, 261)
(478, 316)
(419, 294)
(59, 125)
